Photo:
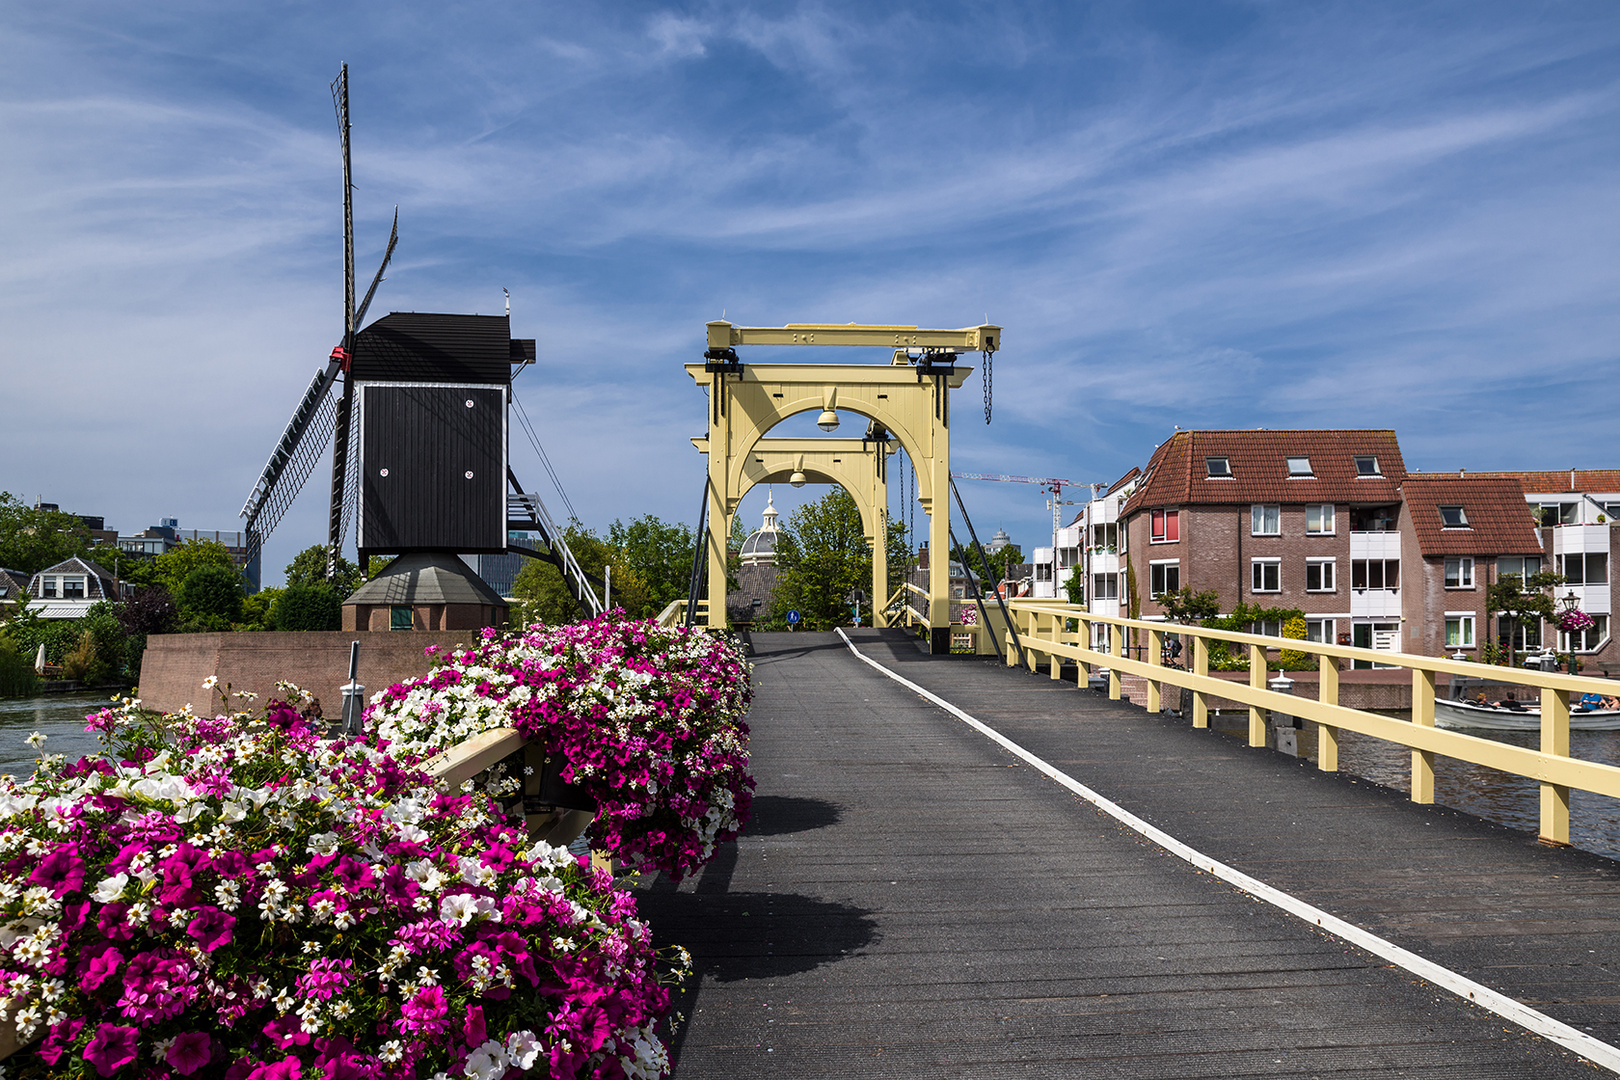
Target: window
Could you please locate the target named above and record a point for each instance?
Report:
(1319, 519)
(1367, 466)
(1219, 468)
(1561, 513)
(1267, 628)
(1453, 517)
(1375, 573)
(1525, 568)
(1266, 575)
(1320, 630)
(47, 588)
(1105, 586)
(1591, 568)
(1043, 572)
(1105, 537)
(1374, 518)
(73, 588)
(1299, 466)
(1459, 572)
(400, 617)
(1459, 631)
(1166, 527)
(1611, 510)
(1165, 577)
(1319, 575)
(1265, 520)
(1588, 640)
(1526, 634)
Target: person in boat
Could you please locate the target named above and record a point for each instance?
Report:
(1611, 702)
(1589, 702)
(1509, 702)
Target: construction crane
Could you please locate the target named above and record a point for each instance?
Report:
(1053, 485)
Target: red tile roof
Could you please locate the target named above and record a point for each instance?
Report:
(1603, 481)
(1177, 474)
(1499, 521)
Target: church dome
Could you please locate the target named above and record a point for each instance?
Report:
(760, 547)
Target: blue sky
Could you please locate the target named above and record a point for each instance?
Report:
(1198, 214)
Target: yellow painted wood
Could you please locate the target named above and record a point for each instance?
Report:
(1327, 736)
(466, 760)
(1200, 668)
(1083, 675)
(723, 335)
(1555, 741)
(1057, 635)
(1257, 679)
(1116, 647)
(1423, 716)
(1155, 648)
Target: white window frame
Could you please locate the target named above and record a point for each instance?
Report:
(1163, 535)
(1210, 470)
(1328, 574)
(1521, 560)
(1157, 568)
(1586, 561)
(1465, 629)
(1258, 513)
(1462, 518)
(1464, 578)
(1292, 471)
(1257, 574)
(1325, 630)
(1327, 519)
(1098, 592)
(1359, 458)
(1564, 641)
(47, 587)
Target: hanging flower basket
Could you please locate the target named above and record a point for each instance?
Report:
(1573, 622)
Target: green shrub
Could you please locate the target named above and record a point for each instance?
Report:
(211, 593)
(17, 678)
(308, 607)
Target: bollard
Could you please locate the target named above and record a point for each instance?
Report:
(354, 695)
(1286, 726)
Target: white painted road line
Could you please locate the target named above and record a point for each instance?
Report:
(1594, 1050)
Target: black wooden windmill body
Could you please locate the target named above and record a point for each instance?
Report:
(418, 432)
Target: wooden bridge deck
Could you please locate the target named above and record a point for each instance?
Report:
(913, 901)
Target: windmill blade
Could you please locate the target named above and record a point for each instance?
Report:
(300, 448)
(393, 239)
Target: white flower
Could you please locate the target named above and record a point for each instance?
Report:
(210, 682)
(36, 740)
(488, 1062)
(323, 844)
(111, 888)
(391, 1051)
(458, 909)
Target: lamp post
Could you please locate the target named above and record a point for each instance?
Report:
(1568, 606)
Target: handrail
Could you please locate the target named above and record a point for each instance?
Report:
(1045, 632)
(675, 613)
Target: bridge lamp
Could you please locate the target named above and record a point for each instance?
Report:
(798, 479)
(828, 420)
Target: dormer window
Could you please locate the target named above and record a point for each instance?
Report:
(1453, 517)
(1300, 466)
(1367, 466)
(1220, 468)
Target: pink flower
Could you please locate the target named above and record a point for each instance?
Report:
(190, 1052)
(111, 1049)
(286, 1069)
(60, 1040)
(424, 1013)
(211, 928)
(473, 1029)
(101, 968)
(287, 1032)
(62, 871)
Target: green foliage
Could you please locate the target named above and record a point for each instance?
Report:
(1294, 629)
(994, 567)
(310, 606)
(211, 596)
(309, 568)
(1223, 656)
(98, 655)
(1186, 606)
(661, 556)
(17, 678)
(376, 564)
(29, 631)
(180, 562)
(256, 610)
(822, 555)
(543, 597)
(31, 540)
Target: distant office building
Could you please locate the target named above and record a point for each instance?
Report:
(500, 572)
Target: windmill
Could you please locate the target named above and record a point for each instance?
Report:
(428, 473)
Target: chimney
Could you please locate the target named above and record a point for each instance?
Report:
(1461, 473)
(922, 556)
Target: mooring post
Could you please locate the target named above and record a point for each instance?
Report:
(354, 695)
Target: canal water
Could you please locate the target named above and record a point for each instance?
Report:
(1498, 796)
(1594, 820)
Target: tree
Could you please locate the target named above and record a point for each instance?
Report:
(1186, 606)
(309, 568)
(994, 568)
(544, 598)
(31, 540)
(98, 656)
(1522, 601)
(256, 609)
(149, 611)
(211, 598)
(659, 553)
(179, 562)
(309, 606)
(822, 556)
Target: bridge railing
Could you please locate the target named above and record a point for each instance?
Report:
(675, 613)
(1045, 628)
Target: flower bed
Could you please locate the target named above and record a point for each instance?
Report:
(228, 898)
(648, 717)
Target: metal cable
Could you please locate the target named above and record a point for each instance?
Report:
(534, 440)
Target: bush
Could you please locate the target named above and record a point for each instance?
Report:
(149, 611)
(17, 678)
(308, 607)
(211, 594)
(99, 655)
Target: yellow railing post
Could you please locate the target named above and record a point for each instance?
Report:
(1554, 740)
(1029, 640)
(1257, 679)
(1155, 646)
(1057, 639)
(1423, 716)
(1116, 646)
(1327, 692)
(1200, 660)
(1083, 667)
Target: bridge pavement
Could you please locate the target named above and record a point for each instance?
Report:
(911, 900)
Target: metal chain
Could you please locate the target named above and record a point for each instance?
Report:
(988, 356)
(911, 504)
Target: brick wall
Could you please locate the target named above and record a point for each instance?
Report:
(175, 665)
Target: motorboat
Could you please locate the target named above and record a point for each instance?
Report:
(1472, 714)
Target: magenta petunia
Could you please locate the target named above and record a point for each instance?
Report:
(62, 871)
(211, 928)
(60, 1040)
(99, 968)
(191, 1051)
(112, 1048)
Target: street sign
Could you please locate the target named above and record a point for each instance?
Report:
(793, 617)
(855, 596)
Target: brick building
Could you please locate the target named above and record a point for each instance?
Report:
(1290, 519)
